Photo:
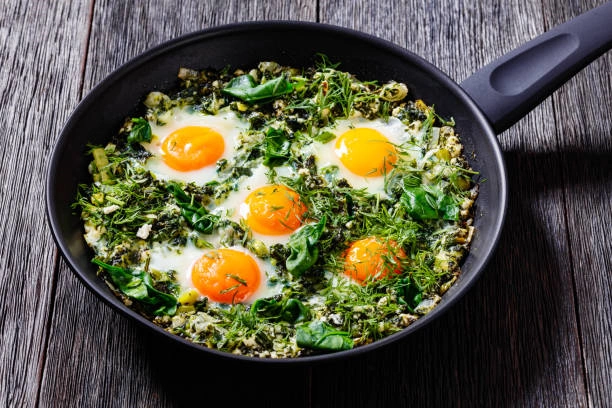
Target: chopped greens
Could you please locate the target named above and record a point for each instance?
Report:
(140, 131)
(307, 303)
(196, 215)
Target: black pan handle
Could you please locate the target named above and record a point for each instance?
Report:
(511, 86)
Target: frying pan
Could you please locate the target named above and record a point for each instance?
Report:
(486, 103)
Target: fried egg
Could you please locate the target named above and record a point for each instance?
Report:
(271, 211)
(189, 144)
(223, 275)
(372, 258)
(363, 151)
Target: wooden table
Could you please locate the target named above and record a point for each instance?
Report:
(534, 331)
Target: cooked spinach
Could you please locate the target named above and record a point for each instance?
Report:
(303, 247)
(277, 147)
(139, 286)
(197, 216)
(409, 292)
(288, 310)
(318, 335)
(246, 88)
(429, 203)
(325, 137)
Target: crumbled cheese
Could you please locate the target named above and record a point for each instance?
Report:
(143, 232)
(110, 209)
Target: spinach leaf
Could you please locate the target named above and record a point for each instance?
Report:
(409, 292)
(277, 147)
(324, 137)
(197, 216)
(303, 247)
(318, 335)
(140, 131)
(139, 286)
(288, 310)
(429, 203)
(246, 89)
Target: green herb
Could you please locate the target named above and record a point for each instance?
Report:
(277, 147)
(318, 335)
(303, 247)
(197, 216)
(245, 88)
(139, 286)
(335, 94)
(140, 131)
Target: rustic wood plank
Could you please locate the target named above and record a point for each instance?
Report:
(493, 349)
(40, 61)
(99, 358)
(585, 154)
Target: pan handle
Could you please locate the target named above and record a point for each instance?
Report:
(511, 86)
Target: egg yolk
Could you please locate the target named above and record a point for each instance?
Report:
(273, 210)
(366, 152)
(192, 147)
(372, 258)
(226, 275)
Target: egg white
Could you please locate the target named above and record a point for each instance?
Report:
(393, 129)
(226, 123)
(181, 260)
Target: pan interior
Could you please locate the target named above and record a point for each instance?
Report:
(101, 113)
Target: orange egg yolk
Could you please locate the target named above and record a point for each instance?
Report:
(366, 152)
(192, 147)
(226, 275)
(372, 258)
(273, 210)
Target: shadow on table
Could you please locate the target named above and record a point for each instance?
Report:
(512, 340)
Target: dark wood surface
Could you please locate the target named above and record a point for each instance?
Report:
(534, 331)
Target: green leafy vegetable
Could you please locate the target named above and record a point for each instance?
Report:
(429, 203)
(288, 310)
(245, 88)
(409, 292)
(139, 286)
(140, 131)
(318, 335)
(303, 247)
(277, 147)
(324, 137)
(197, 216)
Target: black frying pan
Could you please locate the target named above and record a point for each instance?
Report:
(488, 102)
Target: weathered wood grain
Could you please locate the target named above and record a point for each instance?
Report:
(585, 155)
(534, 331)
(39, 71)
